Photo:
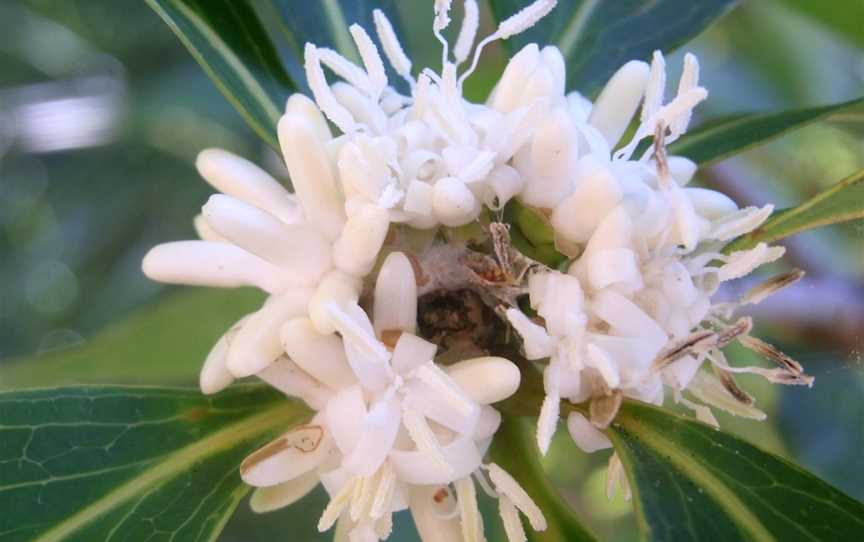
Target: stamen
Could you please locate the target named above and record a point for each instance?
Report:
(472, 521)
(689, 80)
(468, 31)
(696, 343)
(323, 94)
(362, 496)
(770, 352)
(441, 21)
(392, 48)
(515, 24)
(347, 70)
(336, 505)
(741, 327)
(732, 387)
(509, 488)
(424, 438)
(371, 60)
(510, 519)
(381, 504)
(771, 286)
(655, 90)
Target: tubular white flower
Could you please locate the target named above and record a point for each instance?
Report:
(619, 100)
(395, 305)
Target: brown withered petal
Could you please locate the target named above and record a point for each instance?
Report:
(604, 408)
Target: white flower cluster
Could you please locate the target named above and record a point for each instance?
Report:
(392, 428)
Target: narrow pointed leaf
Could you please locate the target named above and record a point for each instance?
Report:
(118, 463)
(598, 36)
(725, 137)
(228, 40)
(515, 450)
(165, 343)
(840, 203)
(693, 482)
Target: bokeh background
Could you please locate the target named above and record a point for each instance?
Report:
(102, 112)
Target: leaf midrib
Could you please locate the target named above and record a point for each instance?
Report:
(722, 495)
(172, 464)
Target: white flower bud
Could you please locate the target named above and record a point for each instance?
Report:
(311, 173)
(208, 263)
(486, 380)
(240, 178)
(336, 287)
(614, 266)
(617, 103)
(555, 146)
(299, 105)
(288, 457)
(453, 202)
(395, 306)
(257, 343)
(357, 248)
(267, 499)
(681, 169)
(322, 356)
(263, 235)
(710, 204)
(215, 375)
(505, 96)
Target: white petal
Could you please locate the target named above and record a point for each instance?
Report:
(601, 360)
(288, 457)
(205, 232)
(207, 263)
(486, 380)
(618, 101)
(681, 169)
(322, 356)
(362, 108)
(555, 145)
(311, 174)
(679, 373)
(240, 178)
(379, 431)
(418, 198)
(395, 305)
(257, 343)
(367, 356)
(356, 249)
(708, 389)
(562, 305)
(287, 377)
(587, 437)
(298, 247)
(710, 204)
(215, 375)
(535, 341)
(434, 394)
(654, 92)
(487, 424)
(596, 194)
(342, 412)
(267, 499)
(413, 467)
(614, 266)
(410, 352)
(504, 182)
(627, 319)
(336, 287)
(425, 441)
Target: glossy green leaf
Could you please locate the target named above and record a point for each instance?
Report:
(693, 482)
(842, 202)
(722, 138)
(119, 463)
(228, 40)
(599, 36)
(515, 450)
(165, 343)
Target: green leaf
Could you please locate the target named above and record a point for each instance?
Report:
(228, 40)
(515, 450)
(842, 202)
(693, 482)
(728, 136)
(598, 36)
(165, 343)
(844, 18)
(119, 463)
